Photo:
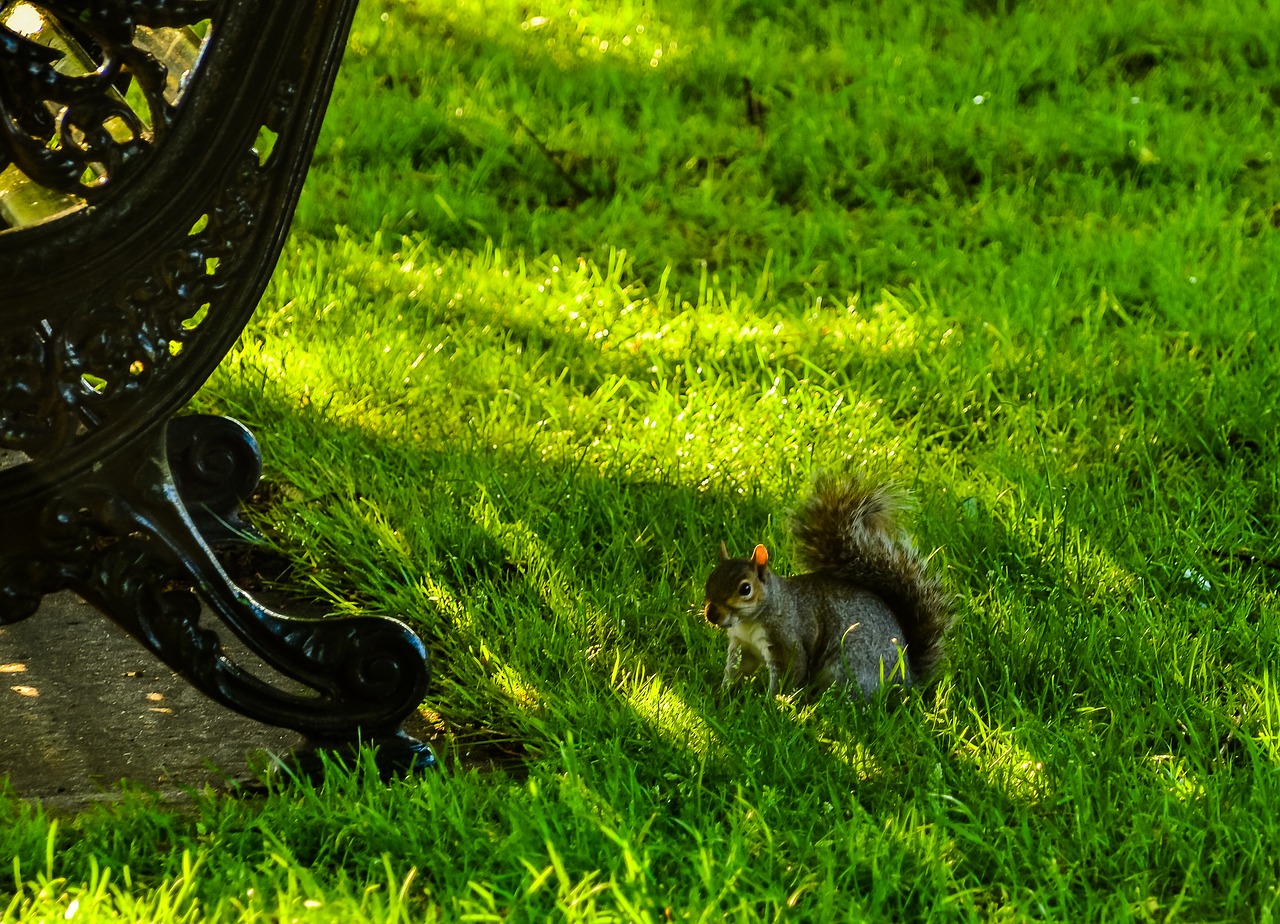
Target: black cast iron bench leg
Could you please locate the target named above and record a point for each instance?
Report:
(121, 537)
(159, 149)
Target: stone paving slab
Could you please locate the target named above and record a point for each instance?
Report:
(83, 706)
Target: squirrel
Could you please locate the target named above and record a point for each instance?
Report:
(865, 613)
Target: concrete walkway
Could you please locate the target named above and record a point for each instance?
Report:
(83, 706)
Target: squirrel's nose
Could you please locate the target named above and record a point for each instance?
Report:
(712, 612)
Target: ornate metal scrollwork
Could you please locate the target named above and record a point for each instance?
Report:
(124, 541)
(141, 215)
(87, 362)
(75, 374)
(216, 464)
(65, 122)
(140, 295)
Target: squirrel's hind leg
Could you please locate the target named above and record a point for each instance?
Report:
(872, 658)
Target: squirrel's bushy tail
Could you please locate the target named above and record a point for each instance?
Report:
(848, 529)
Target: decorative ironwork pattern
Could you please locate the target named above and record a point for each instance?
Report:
(64, 121)
(117, 312)
(73, 374)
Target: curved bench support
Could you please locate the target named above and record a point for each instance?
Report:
(151, 155)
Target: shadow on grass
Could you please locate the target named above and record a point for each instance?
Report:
(547, 588)
(525, 633)
(719, 155)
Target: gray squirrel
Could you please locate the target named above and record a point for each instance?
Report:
(865, 613)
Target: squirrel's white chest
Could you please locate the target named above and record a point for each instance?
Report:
(752, 637)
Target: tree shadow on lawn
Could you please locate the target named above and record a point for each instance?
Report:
(796, 158)
(537, 613)
(513, 596)
(508, 145)
(1071, 635)
(529, 652)
(499, 174)
(540, 622)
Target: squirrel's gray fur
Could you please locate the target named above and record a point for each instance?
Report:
(866, 612)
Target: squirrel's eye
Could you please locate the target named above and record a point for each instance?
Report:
(744, 589)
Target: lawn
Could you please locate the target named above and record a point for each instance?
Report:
(576, 291)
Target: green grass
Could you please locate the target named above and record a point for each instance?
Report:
(557, 317)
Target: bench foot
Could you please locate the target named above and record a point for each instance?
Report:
(394, 755)
(121, 537)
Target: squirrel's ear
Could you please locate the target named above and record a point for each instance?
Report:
(760, 555)
(724, 553)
